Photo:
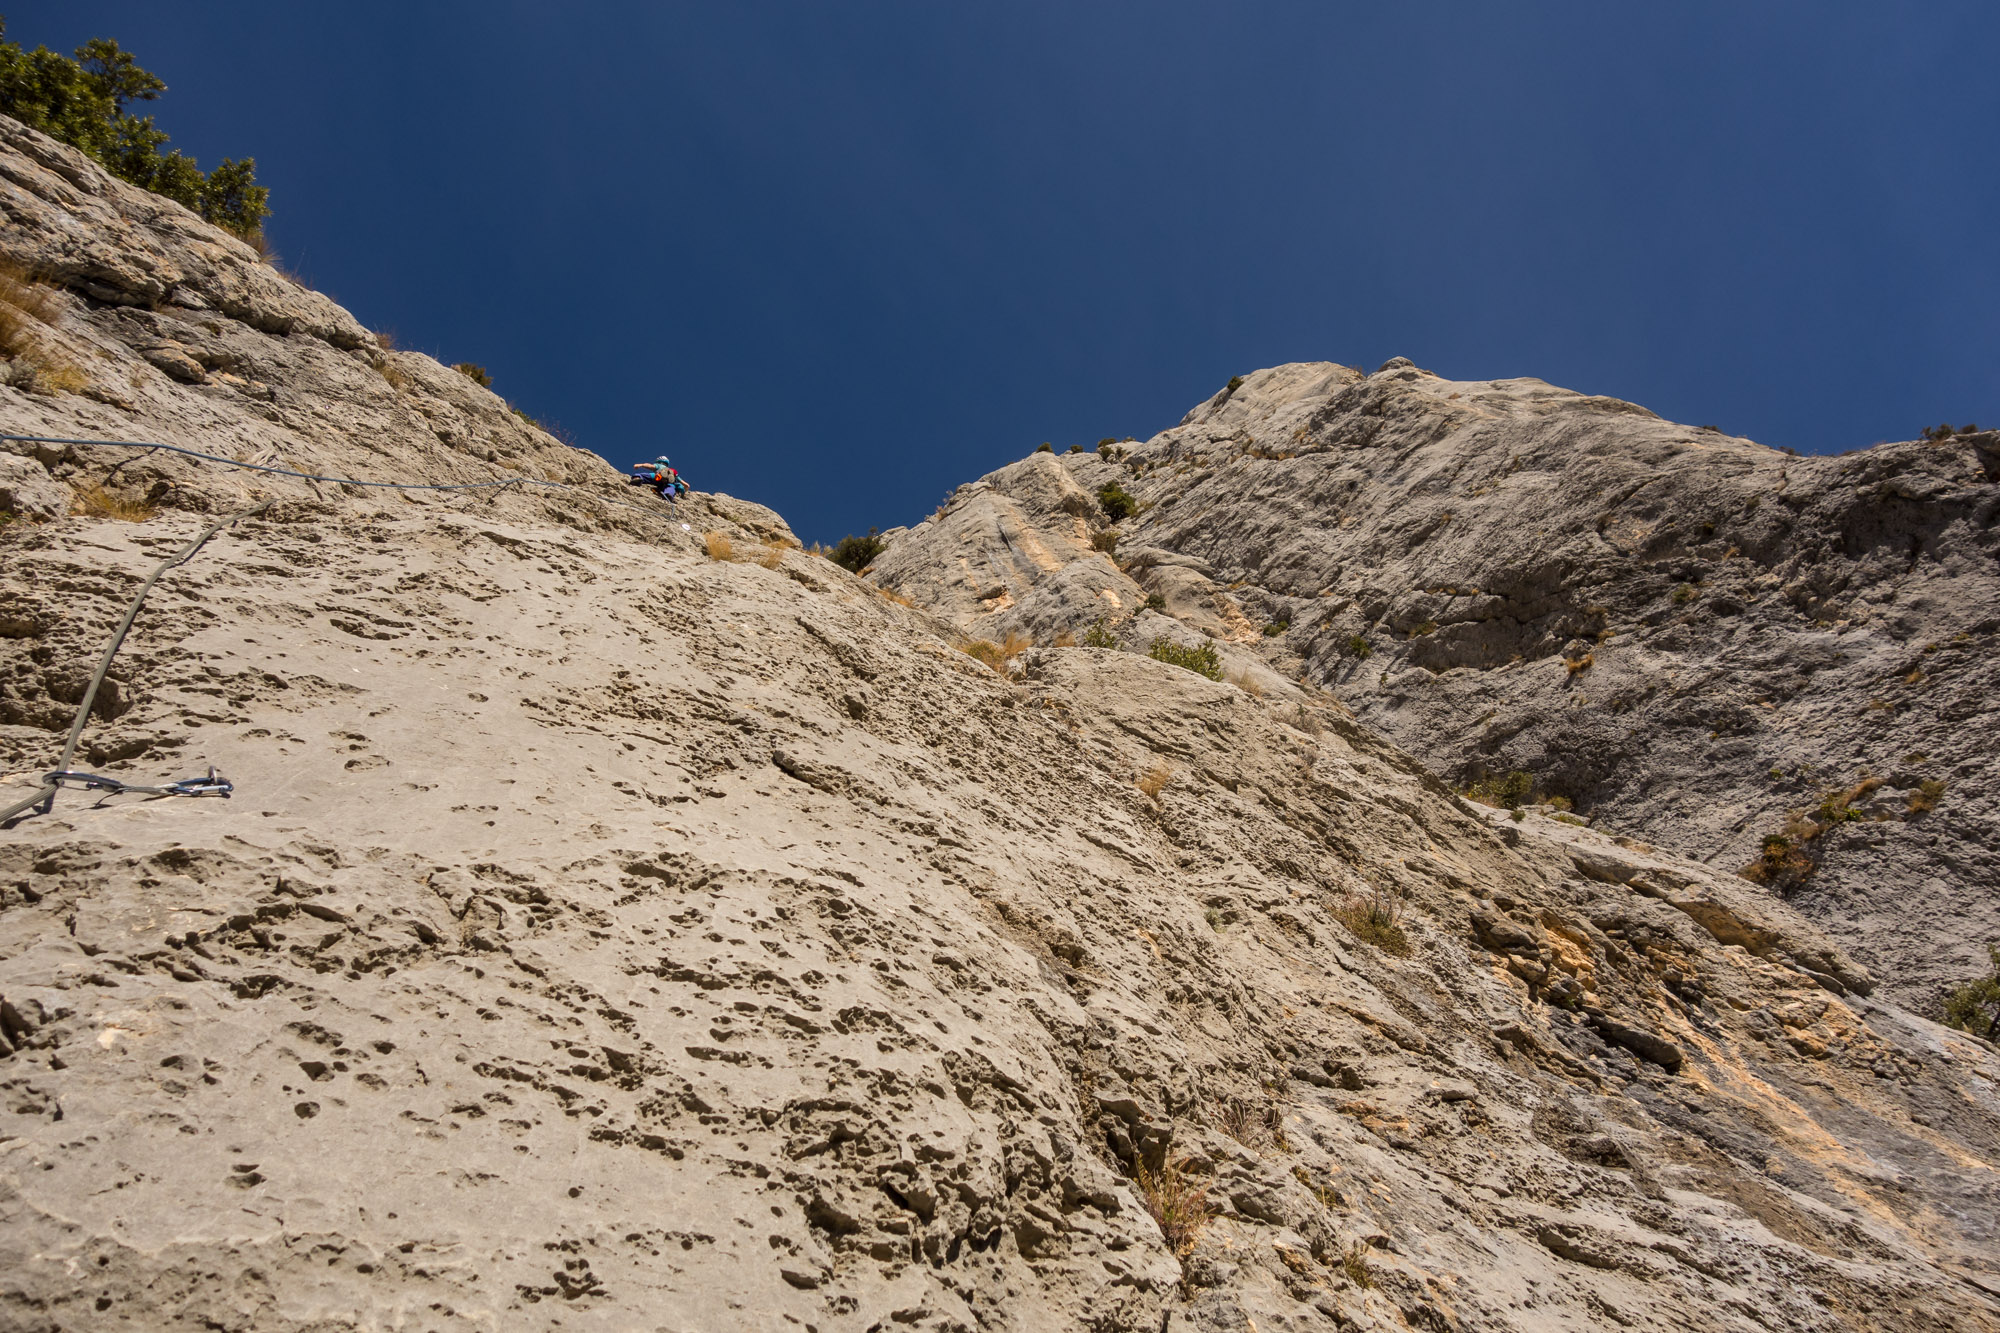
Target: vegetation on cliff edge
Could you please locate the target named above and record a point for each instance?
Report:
(83, 101)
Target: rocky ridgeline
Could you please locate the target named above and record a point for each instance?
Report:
(621, 925)
(1686, 636)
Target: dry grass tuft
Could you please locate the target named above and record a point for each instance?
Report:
(999, 656)
(984, 650)
(1354, 1263)
(718, 545)
(27, 309)
(772, 555)
(1154, 780)
(1927, 795)
(1179, 1203)
(94, 501)
(1576, 664)
(57, 375)
(1244, 681)
(1256, 1128)
(895, 597)
(1376, 919)
(23, 296)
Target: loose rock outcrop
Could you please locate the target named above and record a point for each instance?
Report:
(625, 919)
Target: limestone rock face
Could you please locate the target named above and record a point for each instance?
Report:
(1016, 545)
(617, 929)
(1686, 635)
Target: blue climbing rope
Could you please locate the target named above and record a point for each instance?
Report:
(213, 784)
(341, 481)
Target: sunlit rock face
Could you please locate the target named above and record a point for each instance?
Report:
(1686, 636)
(626, 920)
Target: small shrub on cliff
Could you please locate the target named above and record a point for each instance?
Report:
(1179, 1204)
(94, 501)
(1376, 919)
(1927, 795)
(1156, 601)
(1045, 448)
(1203, 661)
(1235, 383)
(1154, 780)
(999, 656)
(1506, 791)
(857, 553)
(1255, 1127)
(1279, 626)
(82, 102)
(1099, 635)
(1785, 860)
(1359, 648)
(1116, 503)
(477, 374)
(1105, 541)
(1975, 1006)
(1684, 594)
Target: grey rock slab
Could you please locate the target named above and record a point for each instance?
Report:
(1692, 638)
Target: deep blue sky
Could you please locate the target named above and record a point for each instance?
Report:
(839, 258)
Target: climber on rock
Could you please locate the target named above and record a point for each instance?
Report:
(661, 476)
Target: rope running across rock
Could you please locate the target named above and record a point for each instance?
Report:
(341, 481)
(212, 785)
(53, 781)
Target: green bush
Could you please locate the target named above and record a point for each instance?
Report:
(1099, 635)
(857, 553)
(1685, 593)
(477, 374)
(1975, 1006)
(1506, 792)
(1117, 504)
(82, 102)
(1074, 449)
(1378, 919)
(1156, 601)
(1203, 661)
(1045, 448)
(1105, 541)
(1235, 383)
(1359, 648)
(1277, 627)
